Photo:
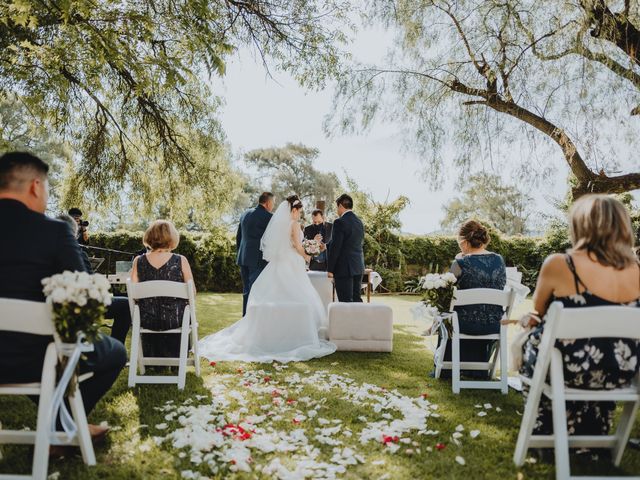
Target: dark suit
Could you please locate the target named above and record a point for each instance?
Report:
(32, 247)
(319, 263)
(252, 225)
(346, 257)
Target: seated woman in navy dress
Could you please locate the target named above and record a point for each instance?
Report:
(161, 313)
(476, 267)
(600, 269)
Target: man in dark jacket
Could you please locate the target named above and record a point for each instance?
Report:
(252, 225)
(32, 248)
(344, 252)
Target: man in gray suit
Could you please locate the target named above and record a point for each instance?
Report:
(252, 225)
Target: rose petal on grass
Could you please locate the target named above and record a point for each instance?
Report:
(460, 460)
(482, 414)
(459, 428)
(474, 433)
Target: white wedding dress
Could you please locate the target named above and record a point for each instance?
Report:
(284, 311)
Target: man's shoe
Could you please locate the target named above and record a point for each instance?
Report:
(98, 433)
(58, 451)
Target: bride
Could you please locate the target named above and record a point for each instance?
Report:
(284, 311)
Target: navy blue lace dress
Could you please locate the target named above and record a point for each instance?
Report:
(161, 313)
(591, 363)
(478, 271)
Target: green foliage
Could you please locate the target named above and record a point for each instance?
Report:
(211, 255)
(486, 196)
(20, 131)
(522, 86)
(126, 83)
(213, 259)
(290, 170)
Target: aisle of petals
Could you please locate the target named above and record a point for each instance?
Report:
(258, 423)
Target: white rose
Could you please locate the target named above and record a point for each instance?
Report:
(59, 295)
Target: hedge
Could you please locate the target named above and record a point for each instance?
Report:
(212, 256)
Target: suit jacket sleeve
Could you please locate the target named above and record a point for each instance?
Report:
(334, 246)
(68, 253)
(239, 235)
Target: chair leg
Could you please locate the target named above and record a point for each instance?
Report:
(623, 431)
(455, 362)
(135, 347)
(196, 353)
(494, 362)
(504, 360)
(84, 437)
(184, 351)
(43, 438)
(559, 410)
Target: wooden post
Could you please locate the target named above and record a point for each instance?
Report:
(320, 205)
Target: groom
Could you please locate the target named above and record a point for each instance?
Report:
(252, 225)
(345, 256)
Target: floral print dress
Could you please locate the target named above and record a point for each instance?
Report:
(591, 363)
(478, 271)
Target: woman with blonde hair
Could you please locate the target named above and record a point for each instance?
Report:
(600, 269)
(159, 263)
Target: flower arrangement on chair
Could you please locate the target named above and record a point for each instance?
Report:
(438, 290)
(79, 301)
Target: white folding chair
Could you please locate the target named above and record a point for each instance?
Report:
(475, 296)
(162, 288)
(569, 324)
(35, 318)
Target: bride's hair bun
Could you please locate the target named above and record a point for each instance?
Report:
(474, 233)
(294, 202)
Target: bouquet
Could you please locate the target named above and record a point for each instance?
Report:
(311, 247)
(79, 301)
(438, 294)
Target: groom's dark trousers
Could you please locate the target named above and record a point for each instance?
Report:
(252, 225)
(348, 288)
(249, 275)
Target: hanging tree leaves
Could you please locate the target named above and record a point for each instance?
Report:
(126, 82)
(465, 72)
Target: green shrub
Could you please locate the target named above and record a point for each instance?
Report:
(398, 259)
(212, 256)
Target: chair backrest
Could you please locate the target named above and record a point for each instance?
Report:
(160, 288)
(487, 296)
(25, 316)
(593, 322)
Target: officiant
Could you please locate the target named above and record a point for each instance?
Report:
(324, 228)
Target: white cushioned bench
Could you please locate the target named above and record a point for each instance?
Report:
(361, 327)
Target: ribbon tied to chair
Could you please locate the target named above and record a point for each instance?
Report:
(73, 352)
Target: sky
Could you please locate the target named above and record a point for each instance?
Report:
(262, 112)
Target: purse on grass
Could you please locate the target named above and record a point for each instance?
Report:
(520, 339)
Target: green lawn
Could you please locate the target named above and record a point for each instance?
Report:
(340, 390)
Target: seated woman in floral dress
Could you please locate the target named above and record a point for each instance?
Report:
(476, 267)
(600, 269)
(161, 313)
